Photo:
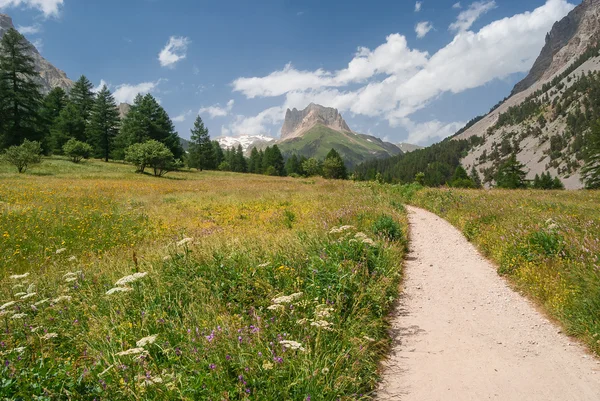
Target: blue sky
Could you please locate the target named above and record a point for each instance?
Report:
(395, 69)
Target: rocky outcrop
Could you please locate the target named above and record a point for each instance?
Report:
(124, 110)
(568, 38)
(297, 122)
(50, 76)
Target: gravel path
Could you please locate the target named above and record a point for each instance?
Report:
(462, 334)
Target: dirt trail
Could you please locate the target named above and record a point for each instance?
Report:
(462, 334)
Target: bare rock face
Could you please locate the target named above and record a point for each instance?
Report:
(124, 110)
(50, 76)
(568, 38)
(297, 122)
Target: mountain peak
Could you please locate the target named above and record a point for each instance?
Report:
(297, 122)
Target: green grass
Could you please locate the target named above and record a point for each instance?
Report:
(214, 303)
(545, 242)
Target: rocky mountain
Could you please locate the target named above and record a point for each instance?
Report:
(545, 119)
(408, 147)
(50, 76)
(314, 131)
(247, 141)
(297, 122)
(124, 110)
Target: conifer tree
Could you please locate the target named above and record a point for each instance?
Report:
(68, 125)
(82, 97)
(511, 174)
(475, 177)
(292, 165)
(104, 124)
(54, 102)
(201, 151)
(218, 155)
(20, 95)
(590, 172)
(252, 161)
(241, 166)
(333, 166)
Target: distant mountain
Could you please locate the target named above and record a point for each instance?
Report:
(50, 76)
(548, 114)
(408, 147)
(314, 131)
(247, 141)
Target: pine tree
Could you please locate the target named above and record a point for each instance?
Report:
(590, 172)
(20, 92)
(272, 161)
(253, 161)
(201, 152)
(333, 166)
(52, 105)
(68, 125)
(292, 165)
(475, 177)
(241, 165)
(511, 174)
(104, 124)
(82, 97)
(218, 155)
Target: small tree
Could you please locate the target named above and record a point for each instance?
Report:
(475, 177)
(511, 174)
(590, 173)
(77, 150)
(460, 179)
(311, 167)
(24, 155)
(153, 154)
(420, 178)
(333, 166)
(201, 151)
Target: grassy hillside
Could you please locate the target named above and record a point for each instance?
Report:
(354, 148)
(121, 286)
(546, 242)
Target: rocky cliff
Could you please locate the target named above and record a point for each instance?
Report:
(297, 122)
(50, 76)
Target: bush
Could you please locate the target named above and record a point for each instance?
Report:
(25, 155)
(385, 226)
(154, 154)
(77, 150)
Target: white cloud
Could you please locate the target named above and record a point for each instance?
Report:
(468, 17)
(255, 125)
(174, 51)
(398, 81)
(182, 117)
(126, 93)
(38, 44)
(457, 5)
(100, 86)
(418, 6)
(217, 110)
(423, 28)
(29, 30)
(48, 7)
(423, 133)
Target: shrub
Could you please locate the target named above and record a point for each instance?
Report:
(25, 155)
(151, 153)
(385, 226)
(77, 150)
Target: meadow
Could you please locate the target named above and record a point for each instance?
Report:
(546, 243)
(198, 285)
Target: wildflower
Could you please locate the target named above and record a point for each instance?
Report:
(19, 315)
(302, 321)
(49, 336)
(16, 286)
(19, 276)
(323, 312)
(61, 250)
(118, 289)
(18, 350)
(212, 366)
(340, 229)
(43, 301)
(167, 258)
(185, 241)
(8, 304)
(131, 351)
(61, 298)
(286, 299)
(276, 307)
(72, 274)
(325, 371)
(368, 338)
(267, 365)
(322, 324)
(20, 294)
(292, 345)
(33, 294)
(70, 279)
(364, 239)
(31, 288)
(146, 340)
(5, 312)
(130, 279)
(72, 259)
(264, 264)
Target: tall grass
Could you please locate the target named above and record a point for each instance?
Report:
(202, 286)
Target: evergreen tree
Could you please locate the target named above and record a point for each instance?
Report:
(272, 163)
(239, 161)
(69, 124)
(590, 172)
(218, 155)
(104, 124)
(82, 96)
(333, 166)
(253, 162)
(52, 105)
(201, 151)
(292, 165)
(511, 174)
(474, 176)
(20, 92)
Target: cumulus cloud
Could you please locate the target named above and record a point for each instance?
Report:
(418, 6)
(255, 125)
(217, 111)
(468, 17)
(126, 93)
(423, 28)
(174, 51)
(48, 7)
(457, 5)
(182, 117)
(100, 86)
(29, 30)
(397, 81)
(422, 133)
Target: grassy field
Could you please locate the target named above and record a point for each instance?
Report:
(117, 286)
(546, 242)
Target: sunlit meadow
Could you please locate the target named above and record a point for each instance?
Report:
(216, 286)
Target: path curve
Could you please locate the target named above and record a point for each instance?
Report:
(460, 333)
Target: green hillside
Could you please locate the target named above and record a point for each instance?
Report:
(354, 148)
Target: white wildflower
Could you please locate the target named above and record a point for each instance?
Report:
(16, 286)
(185, 241)
(131, 351)
(130, 279)
(19, 315)
(267, 365)
(322, 324)
(323, 312)
(118, 289)
(364, 239)
(61, 298)
(19, 276)
(8, 304)
(292, 345)
(368, 338)
(341, 229)
(34, 329)
(325, 371)
(70, 279)
(49, 336)
(20, 294)
(276, 307)
(167, 258)
(302, 321)
(43, 301)
(286, 299)
(149, 381)
(146, 340)
(61, 250)
(72, 259)
(18, 350)
(32, 294)
(31, 288)
(264, 265)
(72, 274)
